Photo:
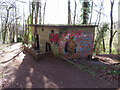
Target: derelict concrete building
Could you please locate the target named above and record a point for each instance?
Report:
(68, 41)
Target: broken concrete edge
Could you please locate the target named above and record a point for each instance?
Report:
(31, 52)
(37, 56)
(79, 67)
(71, 62)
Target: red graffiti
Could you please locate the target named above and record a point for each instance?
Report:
(79, 33)
(53, 38)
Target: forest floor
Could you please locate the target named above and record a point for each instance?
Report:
(19, 70)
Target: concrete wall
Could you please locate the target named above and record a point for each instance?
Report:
(44, 37)
(32, 36)
(67, 41)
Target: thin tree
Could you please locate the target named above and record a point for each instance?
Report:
(16, 26)
(44, 11)
(99, 14)
(40, 18)
(91, 12)
(111, 28)
(33, 10)
(23, 22)
(37, 8)
(75, 12)
(6, 21)
(69, 13)
(2, 25)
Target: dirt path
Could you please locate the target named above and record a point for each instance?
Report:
(20, 70)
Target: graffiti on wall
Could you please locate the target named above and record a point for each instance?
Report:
(53, 38)
(70, 45)
(86, 44)
(76, 43)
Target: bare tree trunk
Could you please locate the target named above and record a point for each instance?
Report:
(75, 12)
(32, 12)
(30, 8)
(99, 14)
(97, 22)
(2, 31)
(91, 12)
(84, 12)
(13, 31)
(25, 35)
(13, 39)
(69, 14)
(28, 31)
(16, 27)
(40, 18)
(23, 25)
(111, 31)
(37, 8)
(44, 11)
(10, 36)
(10, 32)
(4, 37)
(103, 45)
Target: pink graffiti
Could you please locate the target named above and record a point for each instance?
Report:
(53, 38)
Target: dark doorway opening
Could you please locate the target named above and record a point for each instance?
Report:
(48, 47)
(36, 41)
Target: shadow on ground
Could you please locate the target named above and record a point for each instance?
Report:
(52, 72)
(32, 74)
